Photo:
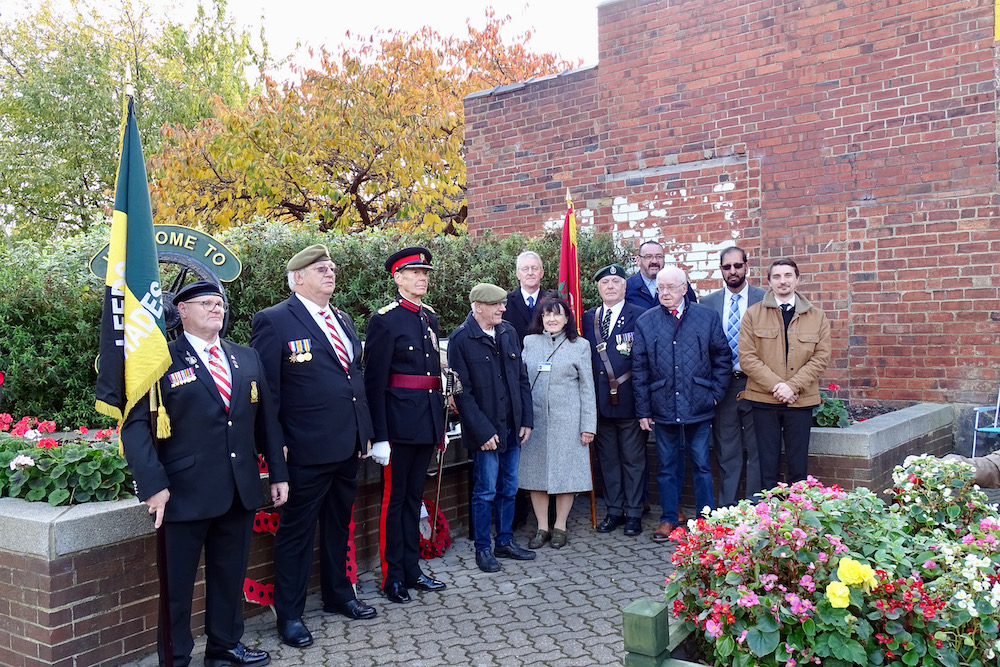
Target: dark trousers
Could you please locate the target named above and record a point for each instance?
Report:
(226, 541)
(734, 438)
(323, 493)
(777, 425)
(399, 523)
(621, 453)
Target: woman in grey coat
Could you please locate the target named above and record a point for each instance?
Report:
(556, 458)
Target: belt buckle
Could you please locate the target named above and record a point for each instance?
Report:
(601, 347)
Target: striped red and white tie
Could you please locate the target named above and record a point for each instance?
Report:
(220, 374)
(338, 342)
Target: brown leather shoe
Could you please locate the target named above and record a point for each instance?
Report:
(662, 533)
(681, 517)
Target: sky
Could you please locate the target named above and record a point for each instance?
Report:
(565, 27)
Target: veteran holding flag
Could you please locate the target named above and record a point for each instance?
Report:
(202, 482)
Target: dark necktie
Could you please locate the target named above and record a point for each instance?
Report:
(606, 324)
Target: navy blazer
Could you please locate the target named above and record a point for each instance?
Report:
(494, 383)
(636, 292)
(322, 409)
(619, 354)
(517, 312)
(211, 454)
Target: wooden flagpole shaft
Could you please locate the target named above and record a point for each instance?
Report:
(161, 552)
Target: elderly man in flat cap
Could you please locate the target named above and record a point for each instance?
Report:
(403, 379)
(621, 444)
(311, 356)
(202, 482)
(495, 410)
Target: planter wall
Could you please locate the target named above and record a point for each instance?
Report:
(78, 585)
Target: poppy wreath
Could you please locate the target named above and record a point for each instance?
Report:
(265, 522)
(442, 534)
(258, 593)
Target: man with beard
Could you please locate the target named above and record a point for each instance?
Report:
(640, 288)
(732, 427)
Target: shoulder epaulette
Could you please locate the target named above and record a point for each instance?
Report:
(427, 306)
(387, 307)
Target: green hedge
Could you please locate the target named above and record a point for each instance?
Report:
(50, 307)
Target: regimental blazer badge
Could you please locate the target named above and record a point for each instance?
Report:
(183, 376)
(301, 350)
(254, 395)
(623, 343)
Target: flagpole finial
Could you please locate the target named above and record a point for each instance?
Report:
(568, 198)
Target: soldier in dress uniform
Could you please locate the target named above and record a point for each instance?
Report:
(403, 383)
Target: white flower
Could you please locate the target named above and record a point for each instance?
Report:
(30, 434)
(21, 462)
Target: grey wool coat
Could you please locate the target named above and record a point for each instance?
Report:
(553, 460)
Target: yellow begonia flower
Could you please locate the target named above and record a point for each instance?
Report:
(838, 594)
(853, 573)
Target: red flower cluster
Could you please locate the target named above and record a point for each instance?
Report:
(47, 443)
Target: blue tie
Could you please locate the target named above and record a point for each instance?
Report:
(531, 302)
(733, 328)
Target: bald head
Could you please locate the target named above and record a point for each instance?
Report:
(671, 283)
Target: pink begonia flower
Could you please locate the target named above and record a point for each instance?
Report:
(742, 638)
(749, 599)
(807, 583)
(929, 565)
(713, 628)
(822, 557)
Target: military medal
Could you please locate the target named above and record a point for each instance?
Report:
(300, 350)
(190, 359)
(254, 396)
(232, 360)
(183, 376)
(624, 343)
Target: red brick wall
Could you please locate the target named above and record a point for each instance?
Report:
(857, 137)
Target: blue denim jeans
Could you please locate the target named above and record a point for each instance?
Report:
(672, 440)
(494, 485)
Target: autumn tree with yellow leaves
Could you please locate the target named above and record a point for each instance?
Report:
(373, 136)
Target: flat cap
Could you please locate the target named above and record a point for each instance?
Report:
(414, 257)
(610, 270)
(487, 293)
(194, 290)
(311, 255)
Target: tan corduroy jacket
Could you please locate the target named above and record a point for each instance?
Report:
(762, 350)
(987, 468)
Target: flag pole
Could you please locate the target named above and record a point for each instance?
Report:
(161, 549)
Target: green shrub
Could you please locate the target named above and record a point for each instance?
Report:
(51, 306)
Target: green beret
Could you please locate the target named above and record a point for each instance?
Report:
(487, 293)
(612, 270)
(311, 255)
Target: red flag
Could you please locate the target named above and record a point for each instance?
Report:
(569, 267)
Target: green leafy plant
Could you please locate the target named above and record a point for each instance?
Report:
(69, 472)
(817, 575)
(831, 412)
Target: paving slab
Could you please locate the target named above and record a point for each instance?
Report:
(562, 609)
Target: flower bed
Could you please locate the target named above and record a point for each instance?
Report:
(819, 575)
(67, 470)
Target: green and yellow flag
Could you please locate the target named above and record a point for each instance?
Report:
(134, 351)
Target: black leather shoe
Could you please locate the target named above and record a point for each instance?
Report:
(486, 561)
(511, 550)
(425, 583)
(633, 526)
(396, 592)
(355, 609)
(609, 524)
(295, 633)
(241, 655)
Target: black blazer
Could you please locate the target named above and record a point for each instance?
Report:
(322, 409)
(211, 454)
(619, 354)
(517, 312)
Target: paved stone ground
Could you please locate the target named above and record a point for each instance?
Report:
(563, 609)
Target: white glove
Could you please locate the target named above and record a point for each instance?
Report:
(380, 452)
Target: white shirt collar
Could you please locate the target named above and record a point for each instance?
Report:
(534, 295)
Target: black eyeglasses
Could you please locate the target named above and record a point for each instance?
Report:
(737, 266)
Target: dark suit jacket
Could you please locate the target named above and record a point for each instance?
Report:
(717, 300)
(402, 341)
(621, 363)
(636, 292)
(210, 454)
(322, 409)
(517, 312)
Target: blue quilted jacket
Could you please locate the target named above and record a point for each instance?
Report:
(680, 370)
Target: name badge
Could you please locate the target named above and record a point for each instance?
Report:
(545, 366)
